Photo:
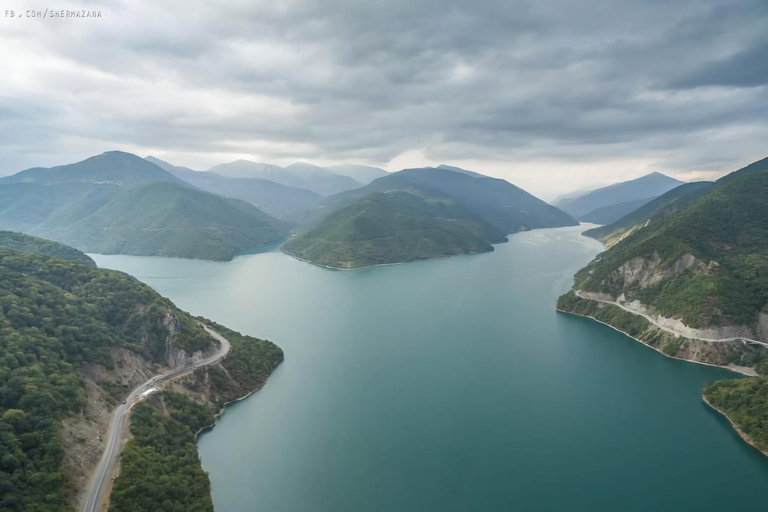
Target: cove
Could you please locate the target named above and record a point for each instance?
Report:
(453, 385)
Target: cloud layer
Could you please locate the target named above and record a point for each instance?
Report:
(550, 95)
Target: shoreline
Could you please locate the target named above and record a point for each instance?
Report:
(383, 264)
(732, 368)
(741, 433)
(225, 404)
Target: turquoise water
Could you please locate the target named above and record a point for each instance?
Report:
(453, 385)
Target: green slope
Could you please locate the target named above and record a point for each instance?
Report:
(270, 197)
(166, 219)
(646, 187)
(25, 205)
(56, 315)
(112, 167)
(33, 244)
(700, 255)
(503, 205)
(300, 175)
(650, 211)
(119, 203)
(612, 213)
(725, 230)
(394, 227)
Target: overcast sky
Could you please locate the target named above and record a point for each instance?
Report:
(551, 95)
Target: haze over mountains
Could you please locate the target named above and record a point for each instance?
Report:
(270, 197)
(608, 204)
(300, 175)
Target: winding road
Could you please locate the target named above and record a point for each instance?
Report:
(100, 479)
(669, 330)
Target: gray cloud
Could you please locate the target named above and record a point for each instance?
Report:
(673, 86)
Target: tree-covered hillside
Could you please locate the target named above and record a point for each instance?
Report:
(500, 203)
(166, 219)
(54, 316)
(644, 188)
(652, 211)
(745, 402)
(119, 203)
(394, 227)
(268, 196)
(706, 264)
(26, 243)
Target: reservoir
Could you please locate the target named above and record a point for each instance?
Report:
(453, 385)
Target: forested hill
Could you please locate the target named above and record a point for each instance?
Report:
(54, 316)
(498, 202)
(33, 244)
(118, 203)
(166, 219)
(706, 264)
(59, 317)
(394, 227)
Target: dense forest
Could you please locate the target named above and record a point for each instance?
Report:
(33, 244)
(159, 468)
(55, 315)
(394, 227)
(745, 401)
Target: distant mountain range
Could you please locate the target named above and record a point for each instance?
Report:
(608, 204)
(119, 203)
(416, 214)
(268, 196)
(502, 204)
(319, 180)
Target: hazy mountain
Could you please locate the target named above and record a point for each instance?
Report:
(613, 212)
(416, 214)
(299, 175)
(652, 211)
(463, 171)
(391, 227)
(361, 173)
(270, 197)
(110, 168)
(165, 219)
(248, 169)
(120, 203)
(505, 206)
(647, 187)
(320, 180)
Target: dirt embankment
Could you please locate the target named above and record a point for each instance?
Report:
(83, 434)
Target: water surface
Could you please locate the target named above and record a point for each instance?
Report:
(453, 385)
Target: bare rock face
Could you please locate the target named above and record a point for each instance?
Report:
(645, 272)
(177, 357)
(762, 327)
(83, 433)
(640, 273)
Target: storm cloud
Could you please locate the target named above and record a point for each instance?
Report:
(551, 95)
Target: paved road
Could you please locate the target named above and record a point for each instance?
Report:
(669, 330)
(100, 478)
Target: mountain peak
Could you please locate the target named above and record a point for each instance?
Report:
(110, 167)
